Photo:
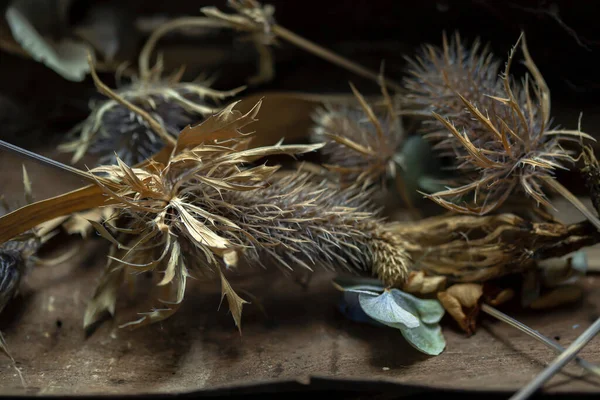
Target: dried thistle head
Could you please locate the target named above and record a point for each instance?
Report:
(208, 207)
(115, 130)
(502, 137)
(362, 146)
(436, 75)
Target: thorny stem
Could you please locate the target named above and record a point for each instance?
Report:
(563, 191)
(559, 362)
(594, 369)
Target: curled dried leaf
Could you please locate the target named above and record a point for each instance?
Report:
(418, 283)
(461, 301)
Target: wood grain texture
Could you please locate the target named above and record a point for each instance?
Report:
(303, 336)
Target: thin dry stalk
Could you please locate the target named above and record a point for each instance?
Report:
(569, 354)
(594, 369)
(257, 19)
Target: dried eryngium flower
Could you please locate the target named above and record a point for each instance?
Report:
(207, 207)
(362, 145)
(114, 130)
(436, 75)
(498, 130)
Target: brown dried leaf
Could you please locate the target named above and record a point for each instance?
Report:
(502, 297)
(462, 303)
(32, 215)
(105, 297)
(235, 302)
(418, 283)
(222, 126)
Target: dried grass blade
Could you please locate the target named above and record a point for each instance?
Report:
(569, 132)
(539, 80)
(563, 191)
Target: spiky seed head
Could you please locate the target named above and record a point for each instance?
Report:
(437, 74)
(361, 143)
(501, 138)
(114, 131)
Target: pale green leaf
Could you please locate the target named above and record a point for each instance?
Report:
(429, 311)
(385, 309)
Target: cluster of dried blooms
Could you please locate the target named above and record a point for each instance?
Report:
(208, 207)
(179, 199)
(499, 133)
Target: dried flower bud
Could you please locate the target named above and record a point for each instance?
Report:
(434, 78)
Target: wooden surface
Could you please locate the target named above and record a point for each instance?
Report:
(303, 336)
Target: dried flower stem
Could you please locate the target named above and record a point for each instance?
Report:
(564, 192)
(330, 56)
(594, 369)
(558, 363)
(219, 20)
(178, 23)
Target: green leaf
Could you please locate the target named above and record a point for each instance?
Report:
(429, 311)
(66, 57)
(385, 309)
(427, 338)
